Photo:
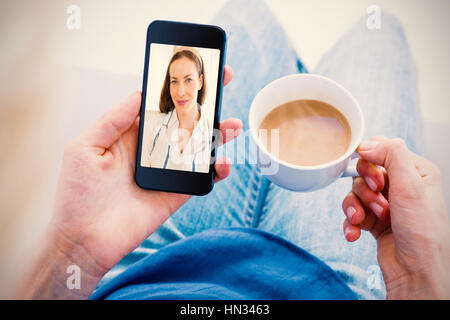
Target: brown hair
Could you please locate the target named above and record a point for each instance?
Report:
(165, 102)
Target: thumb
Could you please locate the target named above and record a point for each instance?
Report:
(113, 124)
(393, 155)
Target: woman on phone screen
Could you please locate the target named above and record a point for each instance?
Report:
(182, 141)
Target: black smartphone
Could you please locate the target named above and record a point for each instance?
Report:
(181, 102)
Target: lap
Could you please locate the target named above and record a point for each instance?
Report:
(376, 68)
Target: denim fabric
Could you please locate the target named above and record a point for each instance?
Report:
(211, 266)
(375, 65)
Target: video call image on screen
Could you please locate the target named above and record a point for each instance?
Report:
(179, 107)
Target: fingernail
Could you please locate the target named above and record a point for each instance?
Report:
(347, 231)
(377, 209)
(350, 212)
(372, 184)
(368, 145)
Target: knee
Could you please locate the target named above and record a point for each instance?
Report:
(391, 24)
(384, 23)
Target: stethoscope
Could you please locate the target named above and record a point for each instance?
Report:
(166, 125)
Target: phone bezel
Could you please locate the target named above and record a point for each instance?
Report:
(183, 34)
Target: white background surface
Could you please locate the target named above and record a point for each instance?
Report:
(112, 35)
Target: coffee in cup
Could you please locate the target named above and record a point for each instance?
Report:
(310, 132)
(326, 156)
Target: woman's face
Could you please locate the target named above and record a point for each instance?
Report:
(184, 83)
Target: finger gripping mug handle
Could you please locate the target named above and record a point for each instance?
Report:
(350, 171)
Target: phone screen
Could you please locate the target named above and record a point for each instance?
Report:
(180, 110)
(179, 107)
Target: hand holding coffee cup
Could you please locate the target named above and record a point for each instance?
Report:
(306, 128)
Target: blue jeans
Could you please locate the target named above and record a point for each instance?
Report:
(376, 66)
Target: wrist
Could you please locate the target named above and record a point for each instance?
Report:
(425, 284)
(62, 270)
(416, 287)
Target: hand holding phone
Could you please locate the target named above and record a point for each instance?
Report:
(100, 214)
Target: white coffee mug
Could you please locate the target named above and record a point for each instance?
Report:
(311, 87)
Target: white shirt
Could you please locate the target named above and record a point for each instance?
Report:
(163, 151)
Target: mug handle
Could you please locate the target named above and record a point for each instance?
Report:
(350, 171)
